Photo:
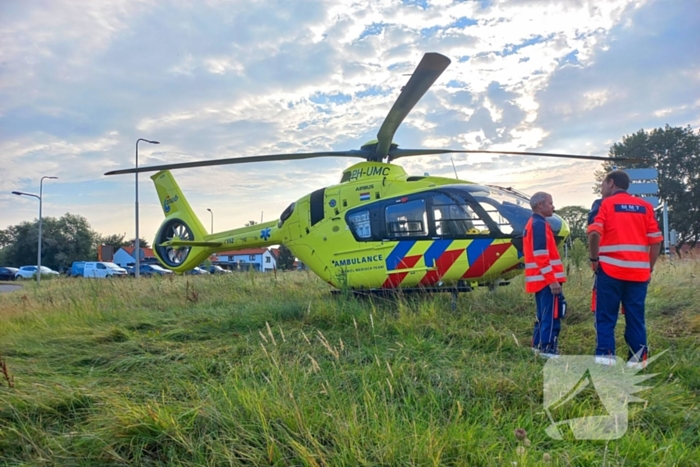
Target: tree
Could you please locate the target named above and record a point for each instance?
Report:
(64, 240)
(5, 238)
(675, 153)
(286, 259)
(577, 218)
(143, 243)
(249, 223)
(116, 241)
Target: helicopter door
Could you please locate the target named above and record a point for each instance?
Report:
(407, 219)
(332, 203)
(304, 216)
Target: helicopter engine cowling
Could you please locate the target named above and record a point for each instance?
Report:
(560, 228)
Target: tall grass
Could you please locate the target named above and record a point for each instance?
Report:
(253, 369)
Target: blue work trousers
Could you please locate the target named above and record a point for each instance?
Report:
(546, 332)
(610, 292)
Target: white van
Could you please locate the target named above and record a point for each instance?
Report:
(100, 269)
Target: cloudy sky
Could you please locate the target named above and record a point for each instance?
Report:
(80, 81)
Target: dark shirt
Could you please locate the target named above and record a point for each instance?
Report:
(539, 232)
(594, 211)
(596, 207)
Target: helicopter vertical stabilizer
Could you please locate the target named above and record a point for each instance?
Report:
(174, 204)
(181, 239)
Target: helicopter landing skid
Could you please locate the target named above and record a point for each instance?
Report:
(405, 291)
(393, 293)
(411, 290)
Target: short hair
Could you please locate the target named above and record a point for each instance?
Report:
(538, 198)
(619, 178)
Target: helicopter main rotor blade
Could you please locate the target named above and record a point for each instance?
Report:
(242, 160)
(428, 70)
(397, 153)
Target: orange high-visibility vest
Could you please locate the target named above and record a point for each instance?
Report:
(627, 227)
(543, 265)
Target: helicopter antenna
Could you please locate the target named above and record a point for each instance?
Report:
(453, 166)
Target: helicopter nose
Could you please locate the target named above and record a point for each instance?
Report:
(559, 227)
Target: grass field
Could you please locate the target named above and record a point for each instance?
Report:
(253, 369)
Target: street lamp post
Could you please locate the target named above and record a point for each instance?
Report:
(137, 246)
(40, 198)
(212, 220)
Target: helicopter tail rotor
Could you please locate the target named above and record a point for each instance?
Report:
(180, 239)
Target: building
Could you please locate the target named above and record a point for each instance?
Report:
(125, 256)
(258, 259)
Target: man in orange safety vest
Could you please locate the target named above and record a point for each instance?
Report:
(544, 274)
(624, 241)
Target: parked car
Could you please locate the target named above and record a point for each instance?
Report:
(197, 272)
(149, 270)
(28, 272)
(8, 274)
(216, 269)
(102, 269)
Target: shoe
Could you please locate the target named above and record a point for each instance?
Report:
(603, 360)
(548, 355)
(535, 350)
(636, 365)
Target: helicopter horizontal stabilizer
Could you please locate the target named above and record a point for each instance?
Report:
(185, 243)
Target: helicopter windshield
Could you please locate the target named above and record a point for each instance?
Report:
(509, 210)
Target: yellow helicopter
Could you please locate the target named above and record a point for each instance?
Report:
(379, 228)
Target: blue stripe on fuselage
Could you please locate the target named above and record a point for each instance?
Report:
(435, 251)
(398, 253)
(476, 248)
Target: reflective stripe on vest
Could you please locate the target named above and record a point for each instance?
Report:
(623, 263)
(614, 248)
(558, 275)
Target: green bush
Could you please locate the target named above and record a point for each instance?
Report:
(578, 253)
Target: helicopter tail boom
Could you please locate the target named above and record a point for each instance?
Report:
(182, 242)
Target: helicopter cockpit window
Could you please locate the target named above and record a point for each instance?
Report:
(509, 211)
(285, 215)
(407, 219)
(455, 218)
(360, 224)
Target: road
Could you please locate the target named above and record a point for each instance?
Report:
(9, 288)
